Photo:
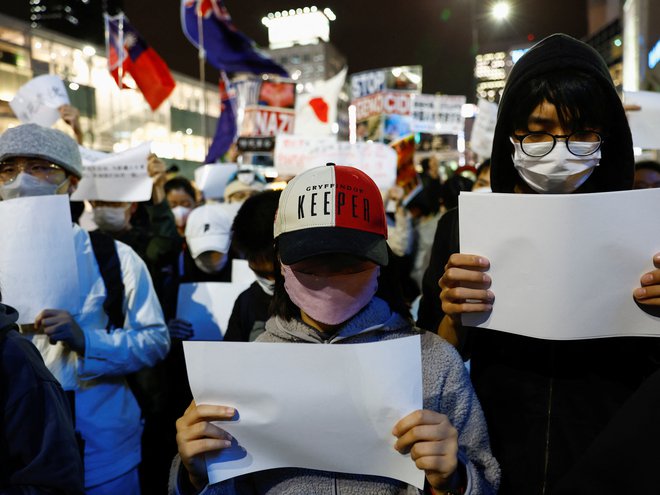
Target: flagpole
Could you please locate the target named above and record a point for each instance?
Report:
(202, 69)
(120, 68)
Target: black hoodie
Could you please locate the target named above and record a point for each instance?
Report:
(546, 401)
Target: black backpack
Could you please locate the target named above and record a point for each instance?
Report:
(144, 383)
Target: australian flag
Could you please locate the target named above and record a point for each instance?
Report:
(127, 49)
(225, 133)
(226, 47)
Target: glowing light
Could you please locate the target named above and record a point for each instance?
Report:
(74, 86)
(501, 11)
(88, 51)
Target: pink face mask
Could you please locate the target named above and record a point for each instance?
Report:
(331, 299)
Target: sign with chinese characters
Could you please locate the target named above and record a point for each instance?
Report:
(120, 176)
(437, 114)
(38, 100)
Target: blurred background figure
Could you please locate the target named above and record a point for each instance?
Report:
(482, 184)
(242, 185)
(647, 175)
(181, 197)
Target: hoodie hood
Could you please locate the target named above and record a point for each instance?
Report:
(8, 316)
(559, 52)
(375, 317)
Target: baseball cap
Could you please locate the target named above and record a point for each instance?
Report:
(244, 181)
(209, 228)
(331, 209)
(36, 141)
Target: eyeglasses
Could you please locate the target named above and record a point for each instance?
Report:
(579, 143)
(42, 169)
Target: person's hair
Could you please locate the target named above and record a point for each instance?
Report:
(180, 183)
(482, 166)
(648, 165)
(389, 290)
(452, 188)
(578, 97)
(253, 226)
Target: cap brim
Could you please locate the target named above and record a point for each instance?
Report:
(302, 244)
(199, 245)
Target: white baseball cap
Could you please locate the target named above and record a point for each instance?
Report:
(209, 228)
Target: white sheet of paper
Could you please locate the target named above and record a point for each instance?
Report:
(38, 267)
(90, 156)
(208, 306)
(38, 100)
(484, 128)
(241, 273)
(564, 267)
(120, 176)
(326, 407)
(644, 122)
(212, 179)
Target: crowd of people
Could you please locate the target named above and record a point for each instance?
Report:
(99, 402)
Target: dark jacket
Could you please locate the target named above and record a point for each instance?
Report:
(248, 318)
(38, 449)
(546, 402)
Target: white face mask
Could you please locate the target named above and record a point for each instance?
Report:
(559, 171)
(25, 185)
(181, 215)
(268, 286)
(205, 263)
(110, 218)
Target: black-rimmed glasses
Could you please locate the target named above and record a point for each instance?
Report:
(578, 143)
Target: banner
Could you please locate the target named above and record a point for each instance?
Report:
(38, 100)
(383, 102)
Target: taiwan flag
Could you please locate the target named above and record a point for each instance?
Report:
(226, 47)
(126, 48)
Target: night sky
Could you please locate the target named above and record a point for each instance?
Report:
(436, 34)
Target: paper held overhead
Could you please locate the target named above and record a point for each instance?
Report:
(38, 100)
(643, 111)
(564, 266)
(119, 176)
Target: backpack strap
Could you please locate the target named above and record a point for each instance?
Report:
(105, 252)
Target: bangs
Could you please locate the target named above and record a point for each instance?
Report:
(578, 97)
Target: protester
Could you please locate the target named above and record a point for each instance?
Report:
(85, 352)
(155, 238)
(482, 184)
(243, 184)
(330, 257)
(181, 197)
(38, 449)
(647, 175)
(561, 128)
(252, 237)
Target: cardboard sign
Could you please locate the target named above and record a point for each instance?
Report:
(38, 100)
(117, 177)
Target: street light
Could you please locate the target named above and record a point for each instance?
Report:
(501, 11)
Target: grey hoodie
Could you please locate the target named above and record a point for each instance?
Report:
(447, 389)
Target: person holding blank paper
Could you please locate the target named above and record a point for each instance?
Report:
(330, 234)
(561, 129)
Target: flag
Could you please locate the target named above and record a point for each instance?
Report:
(316, 110)
(225, 133)
(226, 47)
(128, 50)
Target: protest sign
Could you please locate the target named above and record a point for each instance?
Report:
(211, 179)
(484, 129)
(119, 176)
(437, 114)
(38, 268)
(644, 118)
(38, 100)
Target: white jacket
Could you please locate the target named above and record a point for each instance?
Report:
(107, 414)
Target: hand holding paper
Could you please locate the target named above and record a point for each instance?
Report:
(196, 435)
(60, 326)
(464, 286)
(649, 292)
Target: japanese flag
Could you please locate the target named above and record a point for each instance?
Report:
(316, 110)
